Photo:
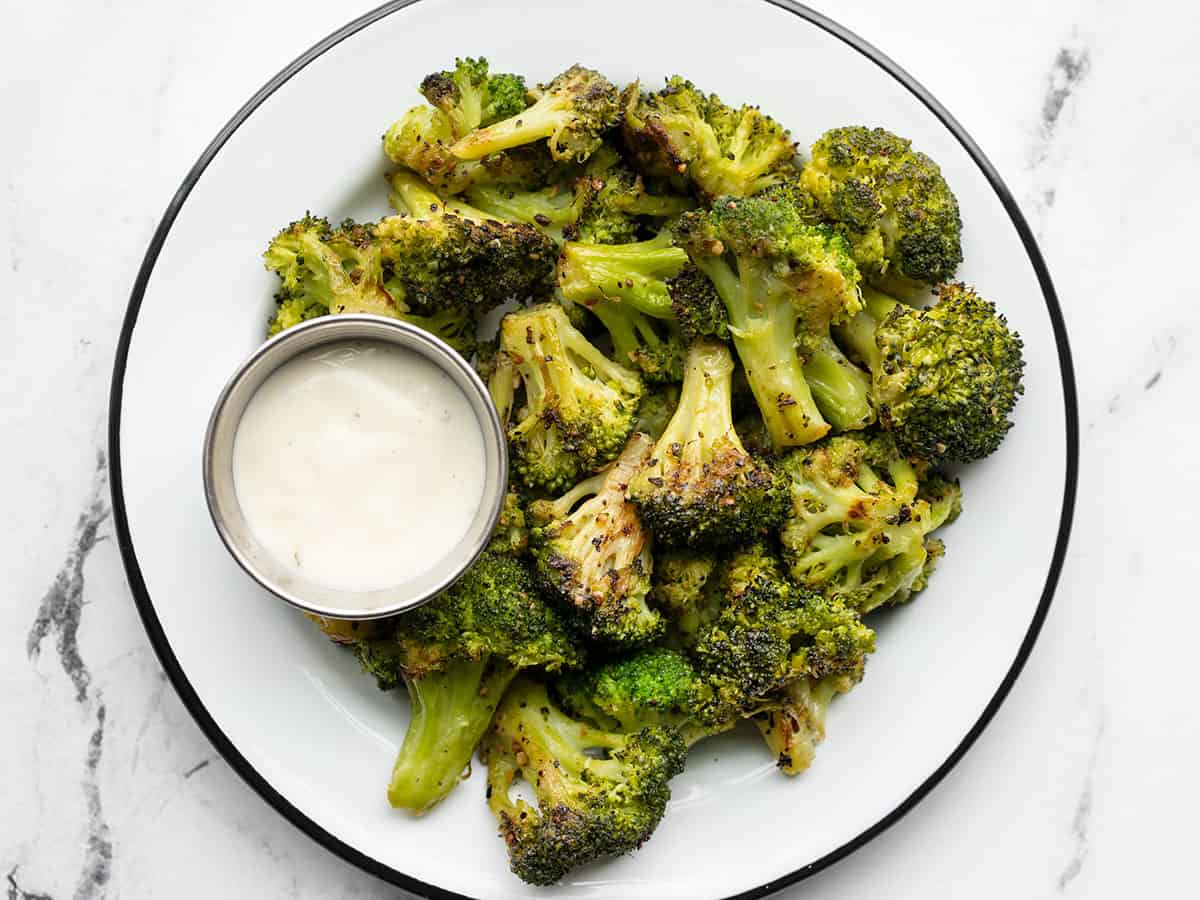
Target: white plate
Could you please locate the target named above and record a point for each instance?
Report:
(290, 711)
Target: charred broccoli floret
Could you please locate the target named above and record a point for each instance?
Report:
(891, 202)
(770, 631)
(577, 407)
(701, 488)
(946, 378)
(342, 270)
(593, 554)
(456, 655)
(861, 518)
(697, 306)
(436, 270)
(571, 114)
(680, 130)
(784, 283)
(463, 100)
(606, 203)
(795, 723)
(599, 793)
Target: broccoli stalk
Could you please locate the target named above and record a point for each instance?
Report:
(451, 710)
(701, 487)
(654, 346)
(456, 655)
(578, 406)
(598, 792)
(946, 378)
(572, 112)
(784, 283)
(593, 554)
(793, 729)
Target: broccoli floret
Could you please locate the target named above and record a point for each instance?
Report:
(946, 378)
(701, 488)
(770, 631)
(593, 554)
(437, 259)
(634, 274)
(571, 113)
(598, 793)
(891, 201)
(437, 270)
(341, 270)
(457, 655)
(656, 408)
(697, 306)
(682, 587)
(860, 519)
(795, 723)
(784, 283)
(605, 203)
(511, 534)
(470, 96)
(577, 406)
(463, 100)
(682, 130)
(653, 686)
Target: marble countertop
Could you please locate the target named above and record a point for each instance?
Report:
(1078, 787)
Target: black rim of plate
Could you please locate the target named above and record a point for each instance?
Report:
(239, 763)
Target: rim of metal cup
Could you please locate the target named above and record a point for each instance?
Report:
(226, 512)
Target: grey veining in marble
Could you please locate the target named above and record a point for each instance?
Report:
(1083, 784)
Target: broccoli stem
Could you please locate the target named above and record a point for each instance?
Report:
(451, 710)
(539, 121)
(410, 194)
(629, 332)
(842, 390)
(628, 273)
(858, 335)
(703, 415)
(763, 329)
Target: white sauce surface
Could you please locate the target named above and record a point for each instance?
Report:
(359, 465)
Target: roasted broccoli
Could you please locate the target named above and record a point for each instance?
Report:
(457, 655)
(598, 792)
(438, 270)
(577, 407)
(603, 203)
(861, 518)
(463, 100)
(593, 554)
(572, 113)
(701, 488)
(946, 378)
(795, 722)
(632, 274)
(890, 201)
(682, 587)
(680, 130)
(784, 283)
(769, 631)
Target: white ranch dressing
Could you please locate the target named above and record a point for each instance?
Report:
(359, 465)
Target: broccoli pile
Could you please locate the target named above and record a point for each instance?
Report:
(731, 375)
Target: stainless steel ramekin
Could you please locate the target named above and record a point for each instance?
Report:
(227, 513)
